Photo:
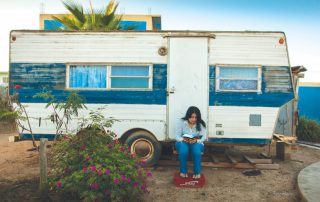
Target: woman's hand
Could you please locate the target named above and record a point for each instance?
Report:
(190, 140)
(185, 140)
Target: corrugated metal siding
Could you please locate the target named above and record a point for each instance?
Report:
(77, 47)
(242, 48)
(235, 122)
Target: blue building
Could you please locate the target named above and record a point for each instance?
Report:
(309, 96)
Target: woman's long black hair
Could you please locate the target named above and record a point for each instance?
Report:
(195, 110)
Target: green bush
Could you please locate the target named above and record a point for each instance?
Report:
(308, 130)
(96, 167)
(6, 111)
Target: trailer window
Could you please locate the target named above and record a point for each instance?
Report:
(130, 77)
(87, 76)
(245, 79)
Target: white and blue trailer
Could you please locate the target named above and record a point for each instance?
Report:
(148, 79)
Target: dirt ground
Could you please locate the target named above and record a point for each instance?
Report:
(19, 171)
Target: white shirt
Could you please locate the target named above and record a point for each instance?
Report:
(184, 128)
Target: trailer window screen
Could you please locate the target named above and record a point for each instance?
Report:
(130, 77)
(255, 120)
(238, 79)
(87, 76)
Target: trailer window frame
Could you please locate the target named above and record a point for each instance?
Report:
(109, 76)
(149, 77)
(219, 78)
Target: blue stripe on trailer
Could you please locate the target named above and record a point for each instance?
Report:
(270, 96)
(24, 136)
(253, 141)
(36, 78)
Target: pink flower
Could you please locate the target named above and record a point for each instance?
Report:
(107, 172)
(132, 155)
(99, 172)
(121, 149)
(149, 174)
(123, 177)
(83, 147)
(88, 158)
(59, 184)
(128, 179)
(110, 146)
(135, 185)
(116, 181)
(142, 187)
(85, 170)
(94, 186)
(93, 168)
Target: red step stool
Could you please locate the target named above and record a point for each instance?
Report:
(189, 181)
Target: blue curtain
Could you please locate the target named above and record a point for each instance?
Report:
(88, 76)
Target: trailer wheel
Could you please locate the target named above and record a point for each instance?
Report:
(145, 146)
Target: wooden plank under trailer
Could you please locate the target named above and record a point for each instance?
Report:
(229, 161)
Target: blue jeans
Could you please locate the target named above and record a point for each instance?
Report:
(183, 150)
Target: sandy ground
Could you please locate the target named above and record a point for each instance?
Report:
(19, 171)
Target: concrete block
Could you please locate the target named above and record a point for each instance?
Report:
(14, 138)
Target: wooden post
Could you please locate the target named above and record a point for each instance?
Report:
(280, 150)
(43, 166)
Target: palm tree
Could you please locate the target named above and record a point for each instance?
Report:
(101, 20)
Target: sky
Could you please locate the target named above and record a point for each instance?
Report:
(299, 19)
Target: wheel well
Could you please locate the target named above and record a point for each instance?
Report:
(129, 132)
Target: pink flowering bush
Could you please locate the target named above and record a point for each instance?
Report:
(97, 167)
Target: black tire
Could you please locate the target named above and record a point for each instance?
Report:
(145, 146)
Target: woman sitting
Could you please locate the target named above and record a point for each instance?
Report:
(190, 134)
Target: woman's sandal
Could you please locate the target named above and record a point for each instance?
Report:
(196, 176)
(184, 175)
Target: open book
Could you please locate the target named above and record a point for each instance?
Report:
(188, 136)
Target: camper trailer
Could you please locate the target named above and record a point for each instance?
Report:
(148, 79)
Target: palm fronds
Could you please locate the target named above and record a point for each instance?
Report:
(93, 19)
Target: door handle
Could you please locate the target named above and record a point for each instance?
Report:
(171, 90)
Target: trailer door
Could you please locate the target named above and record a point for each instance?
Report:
(187, 78)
